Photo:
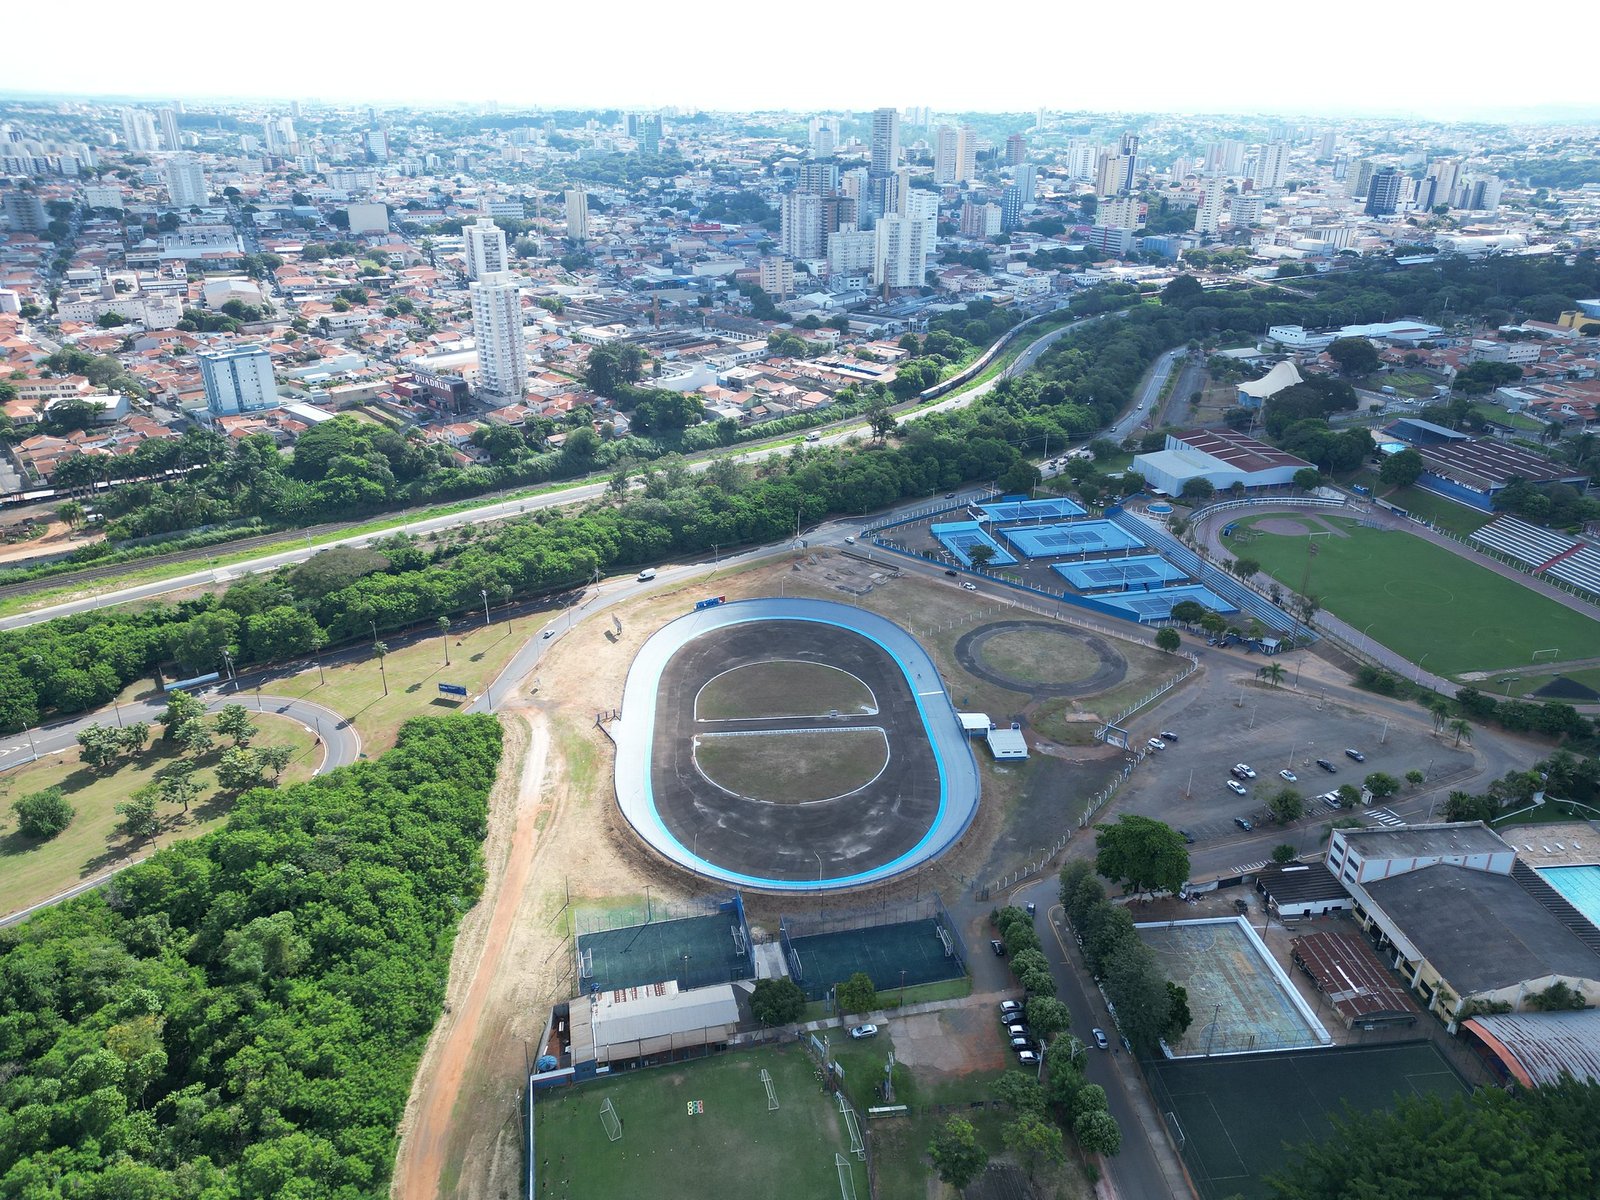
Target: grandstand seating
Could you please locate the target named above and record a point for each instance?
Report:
(1580, 568)
(1523, 542)
(1224, 585)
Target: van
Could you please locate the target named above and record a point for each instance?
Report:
(646, 575)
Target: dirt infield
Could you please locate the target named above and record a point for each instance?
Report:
(783, 689)
(1104, 668)
(1283, 526)
(837, 837)
(792, 766)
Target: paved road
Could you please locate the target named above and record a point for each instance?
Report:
(1145, 408)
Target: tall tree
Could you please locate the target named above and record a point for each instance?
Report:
(1142, 854)
(957, 1155)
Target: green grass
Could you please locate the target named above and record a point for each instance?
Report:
(792, 767)
(1525, 684)
(1493, 412)
(1458, 519)
(782, 689)
(92, 844)
(1433, 607)
(787, 1154)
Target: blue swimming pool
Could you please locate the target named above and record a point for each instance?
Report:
(1580, 885)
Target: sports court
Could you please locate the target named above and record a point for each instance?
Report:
(670, 1130)
(1031, 510)
(1231, 1116)
(696, 951)
(1096, 573)
(1241, 1000)
(959, 538)
(927, 948)
(1157, 603)
(1580, 886)
(1080, 537)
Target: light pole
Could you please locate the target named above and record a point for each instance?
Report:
(484, 592)
(1366, 642)
(444, 634)
(380, 650)
(1417, 678)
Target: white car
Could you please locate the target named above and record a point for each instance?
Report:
(864, 1031)
(1235, 786)
(971, 587)
(1289, 775)
(1156, 744)
(1245, 769)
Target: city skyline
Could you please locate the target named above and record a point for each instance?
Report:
(1152, 74)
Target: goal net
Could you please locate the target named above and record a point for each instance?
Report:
(772, 1095)
(611, 1122)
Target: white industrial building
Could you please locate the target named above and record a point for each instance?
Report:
(1219, 456)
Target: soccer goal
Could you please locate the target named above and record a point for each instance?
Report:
(586, 964)
(612, 1122)
(739, 942)
(857, 1146)
(1176, 1130)
(944, 939)
(772, 1095)
(847, 1177)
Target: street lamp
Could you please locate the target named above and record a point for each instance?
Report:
(484, 592)
(444, 633)
(380, 650)
(1417, 678)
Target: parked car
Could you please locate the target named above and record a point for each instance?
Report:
(864, 1031)
(997, 946)
(1327, 766)
(1166, 735)
(1331, 799)
(1289, 775)
(1156, 744)
(1021, 1043)
(1238, 773)
(1243, 823)
(1100, 1039)
(1010, 1010)
(1238, 788)
(1017, 1028)
(1188, 838)
(1246, 770)
(1355, 754)
(1027, 1058)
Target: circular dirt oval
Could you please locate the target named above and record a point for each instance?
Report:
(1040, 658)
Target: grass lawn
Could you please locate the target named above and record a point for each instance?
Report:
(736, 1146)
(1526, 684)
(1458, 519)
(355, 690)
(1425, 603)
(35, 871)
(782, 689)
(1039, 655)
(1493, 412)
(792, 767)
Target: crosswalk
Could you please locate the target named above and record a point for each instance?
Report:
(1386, 818)
(1243, 868)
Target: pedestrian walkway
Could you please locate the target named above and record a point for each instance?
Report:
(1387, 819)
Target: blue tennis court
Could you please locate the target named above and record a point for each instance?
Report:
(1580, 885)
(959, 537)
(1079, 537)
(1156, 604)
(1031, 510)
(1144, 570)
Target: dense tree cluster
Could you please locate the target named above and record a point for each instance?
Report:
(240, 1015)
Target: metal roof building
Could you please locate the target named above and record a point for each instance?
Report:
(1538, 1048)
(1356, 983)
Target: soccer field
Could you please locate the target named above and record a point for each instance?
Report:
(735, 1144)
(1420, 599)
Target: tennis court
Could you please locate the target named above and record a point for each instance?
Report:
(1231, 1116)
(1241, 1000)
(1079, 537)
(1031, 510)
(1118, 572)
(696, 951)
(959, 538)
(912, 952)
(1157, 603)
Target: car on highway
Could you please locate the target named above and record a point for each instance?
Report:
(1327, 766)
(971, 587)
(1245, 770)
(1156, 744)
(646, 575)
(1235, 786)
(548, 633)
(1355, 754)
(950, 571)
(864, 1031)
(1243, 823)
(949, 495)
(1100, 1039)
(1031, 907)
(1289, 775)
(1166, 735)
(849, 541)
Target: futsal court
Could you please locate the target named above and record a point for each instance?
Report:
(695, 951)
(1118, 572)
(1031, 510)
(909, 952)
(959, 538)
(1079, 537)
(1240, 999)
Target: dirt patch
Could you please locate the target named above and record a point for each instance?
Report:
(790, 767)
(1018, 655)
(1282, 526)
(783, 688)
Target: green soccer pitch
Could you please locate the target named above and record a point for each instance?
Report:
(734, 1145)
(1428, 605)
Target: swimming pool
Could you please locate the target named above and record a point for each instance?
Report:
(1581, 887)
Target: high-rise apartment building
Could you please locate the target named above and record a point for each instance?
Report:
(1272, 167)
(1362, 179)
(1079, 159)
(777, 277)
(1208, 216)
(1010, 208)
(850, 251)
(378, 145)
(497, 327)
(24, 212)
(578, 215)
(1026, 177)
(485, 244)
(966, 154)
(885, 141)
(817, 176)
(1016, 149)
(1383, 193)
(1327, 144)
(139, 130)
(170, 138)
(237, 379)
(980, 220)
(900, 252)
(650, 134)
(1482, 194)
(800, 225)
(186, 182)
(946, 142)
(1118, 212)
(1119, 169)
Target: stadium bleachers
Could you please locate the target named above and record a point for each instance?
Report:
(1186, 560)
(1526, 543)
(1543, 551)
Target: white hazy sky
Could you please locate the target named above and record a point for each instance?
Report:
(1350, 56)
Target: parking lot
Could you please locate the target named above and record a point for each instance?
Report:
(1227, 721)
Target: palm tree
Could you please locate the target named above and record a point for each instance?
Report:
(1272, 673)
(1461, 729)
